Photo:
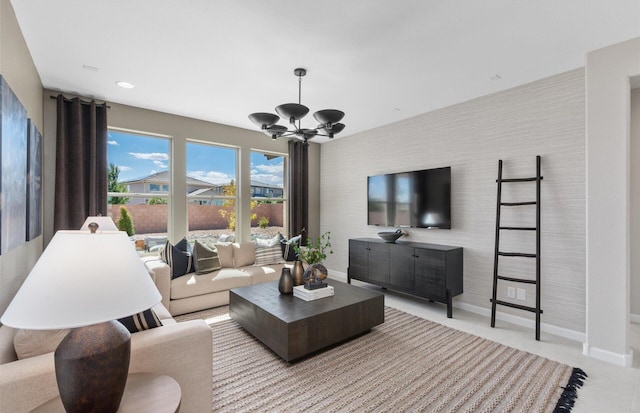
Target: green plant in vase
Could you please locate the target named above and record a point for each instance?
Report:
(314, 253)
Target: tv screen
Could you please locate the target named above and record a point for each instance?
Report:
(419, 199)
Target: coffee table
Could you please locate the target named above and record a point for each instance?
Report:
(294, 328)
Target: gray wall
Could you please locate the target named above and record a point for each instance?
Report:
(546, 118)
(18, 69)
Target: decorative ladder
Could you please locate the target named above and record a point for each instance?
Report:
(498, 253)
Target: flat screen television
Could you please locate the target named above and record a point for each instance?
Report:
(418, 199)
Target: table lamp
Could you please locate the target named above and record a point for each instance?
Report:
(86, 281)
(104, 223)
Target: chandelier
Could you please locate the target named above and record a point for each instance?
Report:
(293, 112)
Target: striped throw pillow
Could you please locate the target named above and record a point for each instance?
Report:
(145, 320)
(268, 255)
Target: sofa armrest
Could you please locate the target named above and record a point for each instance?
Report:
(28, 383)
(182, 351)
(160, 273)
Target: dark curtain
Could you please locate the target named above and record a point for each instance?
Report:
(81, 162)
(298, 188)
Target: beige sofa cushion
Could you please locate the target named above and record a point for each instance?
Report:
(192, 285)
(225, 253)
(31, 343)
(244, 254)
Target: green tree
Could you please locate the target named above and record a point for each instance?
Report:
(125, 222)
(157, 201)
(228, 205)
(114, 186)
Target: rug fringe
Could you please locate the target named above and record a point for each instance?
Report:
(570, 393)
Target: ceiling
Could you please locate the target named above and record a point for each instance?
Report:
(380, 61)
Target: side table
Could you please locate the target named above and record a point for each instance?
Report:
(145, 392)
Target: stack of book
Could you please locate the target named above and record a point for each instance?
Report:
(310, 295)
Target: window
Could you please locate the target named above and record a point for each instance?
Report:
(268, 204)
(211, 192)
(134, 160)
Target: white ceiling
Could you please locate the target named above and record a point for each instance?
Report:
(379, 61)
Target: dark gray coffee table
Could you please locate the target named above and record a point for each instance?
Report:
(294, 328)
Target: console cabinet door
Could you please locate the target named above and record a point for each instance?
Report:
(358, 259)
(401, 267)
(430, 273)
(378, 262)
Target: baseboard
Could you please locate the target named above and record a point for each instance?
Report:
(509, 318)
(624, 360)
(634, 318)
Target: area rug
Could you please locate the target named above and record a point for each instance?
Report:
(407, 364)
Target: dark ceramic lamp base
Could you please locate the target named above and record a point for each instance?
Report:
(92, 364)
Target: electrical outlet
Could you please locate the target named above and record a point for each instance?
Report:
(521, 294)
(511, 292)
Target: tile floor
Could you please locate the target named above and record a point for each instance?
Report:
(608, 388)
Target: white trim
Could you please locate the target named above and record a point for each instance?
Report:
(634, 318)
(510, 318)
(624, 360)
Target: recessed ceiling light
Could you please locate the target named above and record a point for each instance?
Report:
(125, 85)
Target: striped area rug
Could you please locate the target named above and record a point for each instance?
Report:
(407, 364)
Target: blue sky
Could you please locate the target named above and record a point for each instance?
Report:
(139, 156)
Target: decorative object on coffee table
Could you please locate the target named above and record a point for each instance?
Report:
(285, 285)
(297, 273)
(314, 275)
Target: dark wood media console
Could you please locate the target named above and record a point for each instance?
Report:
(428, 271)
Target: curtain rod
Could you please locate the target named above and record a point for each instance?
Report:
(81, 101)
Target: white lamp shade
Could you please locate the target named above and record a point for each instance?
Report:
(104, 223)
(82, 279)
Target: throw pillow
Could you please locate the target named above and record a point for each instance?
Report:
(178, 257)
(288, 250)
(31, 343)
(145, 320)
(268, 242)
(204, 259)
(244, 254)
(225, 253)
(268, 255)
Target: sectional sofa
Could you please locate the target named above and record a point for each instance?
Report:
(242, 264)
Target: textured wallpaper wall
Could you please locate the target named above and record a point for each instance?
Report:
(546, 118)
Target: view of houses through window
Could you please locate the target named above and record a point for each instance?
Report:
(267, 194)
(140, 167)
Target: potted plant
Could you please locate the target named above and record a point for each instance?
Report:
(314, 253)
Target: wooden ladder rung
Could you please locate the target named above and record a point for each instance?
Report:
(518, 179)
(518, 203)
(517, 280)
(516, 254)
(518, 306)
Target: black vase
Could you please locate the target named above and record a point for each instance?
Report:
(285, 285)
(297, 273)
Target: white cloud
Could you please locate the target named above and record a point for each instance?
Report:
(124, 168)
(270, 169)
(114, 143)
(267, 179)
(160, 164)
(214, 177)
(155, 156)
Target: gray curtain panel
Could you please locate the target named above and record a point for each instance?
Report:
(298, 189)
(81, 162)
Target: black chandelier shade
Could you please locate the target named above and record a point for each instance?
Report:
(329, 119)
